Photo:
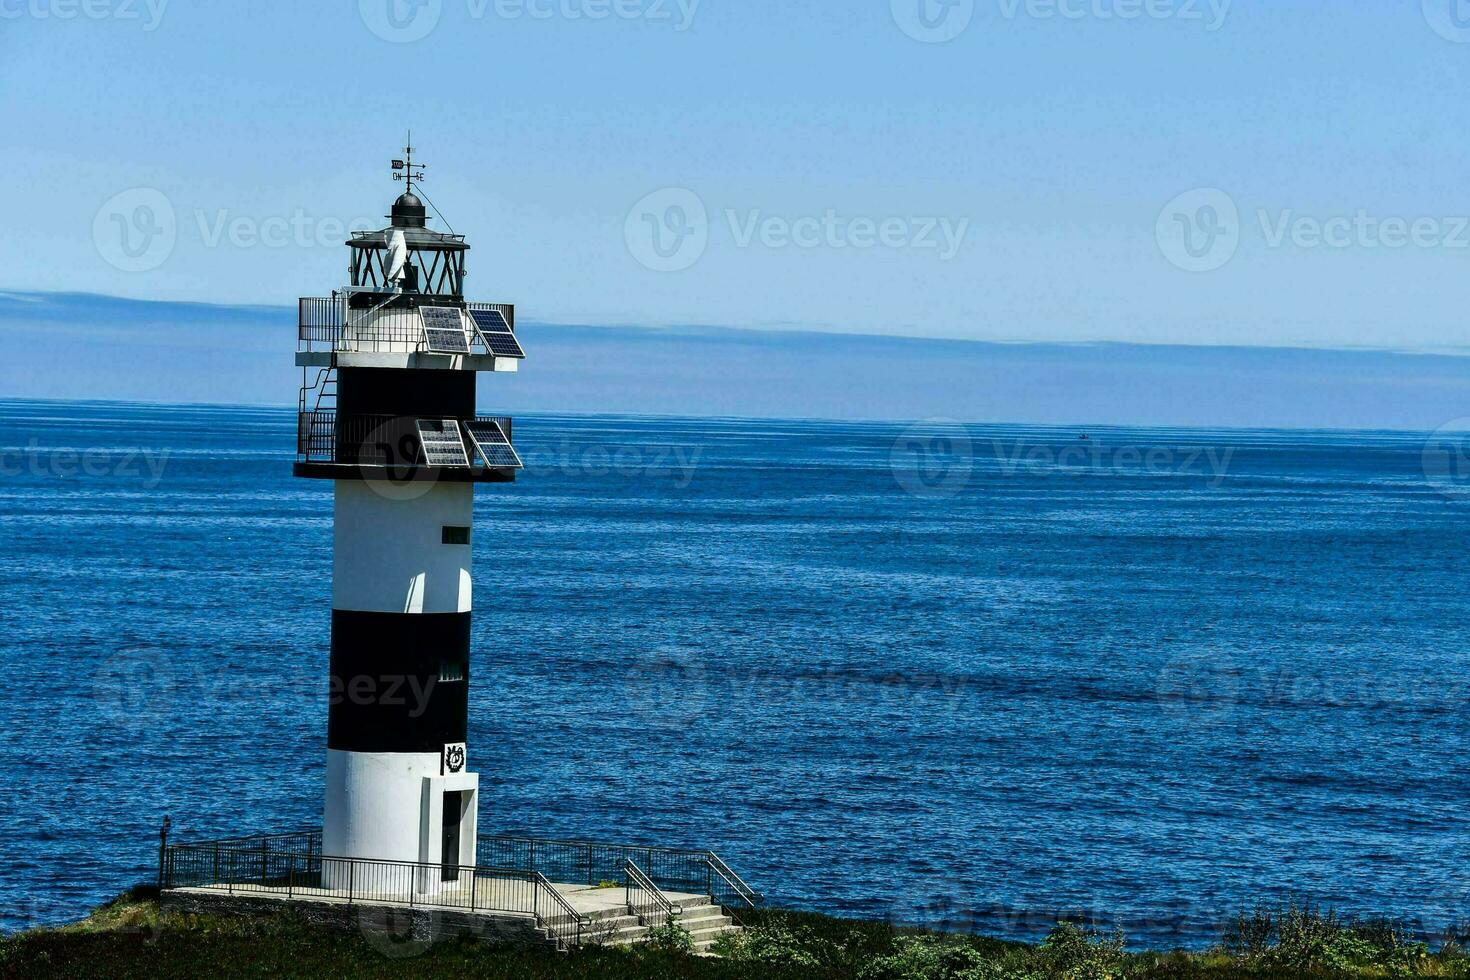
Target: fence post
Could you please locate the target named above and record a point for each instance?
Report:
(163, 849)
(290, 875)
(474, 887)
(351, 874)
(589, 866)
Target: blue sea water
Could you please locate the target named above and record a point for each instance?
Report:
(981, 676)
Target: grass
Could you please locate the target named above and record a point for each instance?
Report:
(133, 937)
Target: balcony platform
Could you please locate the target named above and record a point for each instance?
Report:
(401, 474)
(321, 358)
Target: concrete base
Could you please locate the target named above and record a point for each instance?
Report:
(398, 923)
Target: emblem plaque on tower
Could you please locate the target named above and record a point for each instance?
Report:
(454, 758)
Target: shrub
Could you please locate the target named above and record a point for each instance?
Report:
(1076, 953)
(670, 937)
(772, 943)
(930, 958)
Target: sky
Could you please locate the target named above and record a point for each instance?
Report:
(1284, 173)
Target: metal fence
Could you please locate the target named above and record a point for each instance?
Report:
(370, 440)
(331, 323)
(290, 872)
(511, 874)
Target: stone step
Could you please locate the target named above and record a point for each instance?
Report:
(703, 938)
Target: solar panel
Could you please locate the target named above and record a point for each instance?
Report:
(442, 443)
(444, 330)
(496, 332)
(494, 447)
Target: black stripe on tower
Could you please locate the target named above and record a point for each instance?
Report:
(415, 393)
(400, 681)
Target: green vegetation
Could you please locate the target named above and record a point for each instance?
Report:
(132, 937)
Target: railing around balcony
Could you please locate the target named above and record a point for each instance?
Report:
(327, 437)
(378, 323)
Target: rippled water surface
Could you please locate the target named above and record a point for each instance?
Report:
(980, 676)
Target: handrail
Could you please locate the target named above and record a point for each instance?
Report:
(641, 883)
(722, 869)
(671, 869)
(568, 911)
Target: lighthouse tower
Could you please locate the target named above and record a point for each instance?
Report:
(387, 413)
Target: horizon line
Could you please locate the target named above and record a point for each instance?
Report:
(29, 296)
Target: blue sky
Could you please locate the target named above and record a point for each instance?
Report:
(1019, 181)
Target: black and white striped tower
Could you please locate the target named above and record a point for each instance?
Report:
(387, 412)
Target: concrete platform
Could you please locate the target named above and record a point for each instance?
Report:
(485, 906)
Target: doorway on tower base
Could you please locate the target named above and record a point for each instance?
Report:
(447, 828)
(453, 808)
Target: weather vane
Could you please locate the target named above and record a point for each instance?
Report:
(410, 171)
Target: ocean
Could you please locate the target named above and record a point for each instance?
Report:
(979, 676)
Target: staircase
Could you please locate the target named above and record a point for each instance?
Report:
(704, 921)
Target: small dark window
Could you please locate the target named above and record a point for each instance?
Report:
(456, 535)
(451, 672)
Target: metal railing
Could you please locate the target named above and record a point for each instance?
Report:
(643, 897)
(236, 868)
(372, 440)
(671, 869)
(390, 324)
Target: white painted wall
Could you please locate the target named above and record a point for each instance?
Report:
(375, 803)
(388, 806)
(388, 553)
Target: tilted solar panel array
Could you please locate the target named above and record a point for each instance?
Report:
(444, 330)
(496, 332)
(492, 444)
(442, 443)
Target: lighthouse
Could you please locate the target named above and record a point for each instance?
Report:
(387, 412)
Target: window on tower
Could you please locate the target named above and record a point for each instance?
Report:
(456, 535)
(452, 671)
